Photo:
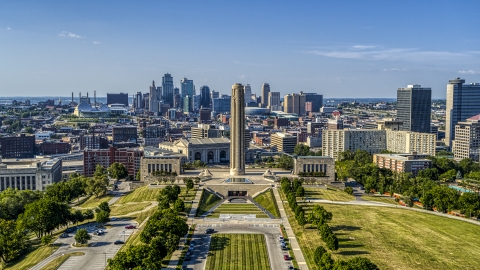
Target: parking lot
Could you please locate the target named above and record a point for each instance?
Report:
(271, 232)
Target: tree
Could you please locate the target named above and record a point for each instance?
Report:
(88, 214)
(348, 190)
(362, 157)
(102, 217)
(469, 204)
(285, 162)
(189, 184)
(317, 256)
(76, 216)
(331, 241)
(103, 206)
(44, 215)
(137, 176)
(179, 205)
(13, 240)
(47, 239)
(82, 236)
(117, 170)
(13, 201)
(448, 176)
(300, 191)
(301, 150)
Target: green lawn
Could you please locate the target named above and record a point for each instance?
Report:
(237, 208)
(267, 200)
(237, 252)
(328, 194)
(36, 254)
(382, 199)
(94, 201)
(396, 238)
(141, 194)
(123, 209)
(144, 194)
(207, 201)
(55, 264)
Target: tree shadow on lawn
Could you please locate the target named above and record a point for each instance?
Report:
(345, 228)
(353, 252)
(219, 243)
(349, 245)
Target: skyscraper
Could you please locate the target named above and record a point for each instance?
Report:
(316, 99)
(414, 108)
(167, 89)
(187, 87)
(205, 96)
(273, 100)
(248, 93)
(294, 103)
(237, 131)
(463, 102)
(153, 99)
(265, 91)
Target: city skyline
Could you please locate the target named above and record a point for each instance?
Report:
(359, 50)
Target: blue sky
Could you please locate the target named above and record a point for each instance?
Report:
(335, 48)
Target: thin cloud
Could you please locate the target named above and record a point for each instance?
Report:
(393, 69)
(69, 35)
(97, 43)
(363, 47)
(470, 71)
(8, 28)
(362, 52)
(242, 76)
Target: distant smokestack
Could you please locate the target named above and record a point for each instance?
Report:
(95, 98)
(79, 97)
(72, 97)
(87, 95)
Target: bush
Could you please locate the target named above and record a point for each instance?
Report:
(349, 190)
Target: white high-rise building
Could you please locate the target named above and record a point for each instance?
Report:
(248, 93)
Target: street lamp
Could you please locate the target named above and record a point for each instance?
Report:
(104, 253)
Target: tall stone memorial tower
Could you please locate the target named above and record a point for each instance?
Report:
(237, 131)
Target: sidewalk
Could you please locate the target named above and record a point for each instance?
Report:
(175, 258)
(302, 264)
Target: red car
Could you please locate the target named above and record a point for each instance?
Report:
(286, 257)
(130, 227)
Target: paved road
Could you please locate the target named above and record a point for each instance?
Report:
(302, 263)
(96, 255)
(271, 232)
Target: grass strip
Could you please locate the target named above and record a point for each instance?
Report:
(267, 201)
(55, 264)
(207, 201)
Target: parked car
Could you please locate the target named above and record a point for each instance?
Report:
(113, 218)
(280, 238)
(193, 242)
(71, 229)
(64, 235)
(209, 230)
(130, 227)
(290, 267)
(118, 242)
(286, 257)
(187, 258)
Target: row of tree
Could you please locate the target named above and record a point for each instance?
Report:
(324, 261)
(426, 187)
(160, 236)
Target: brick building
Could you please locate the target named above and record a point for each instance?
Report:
(18, 147)
(130, 157)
